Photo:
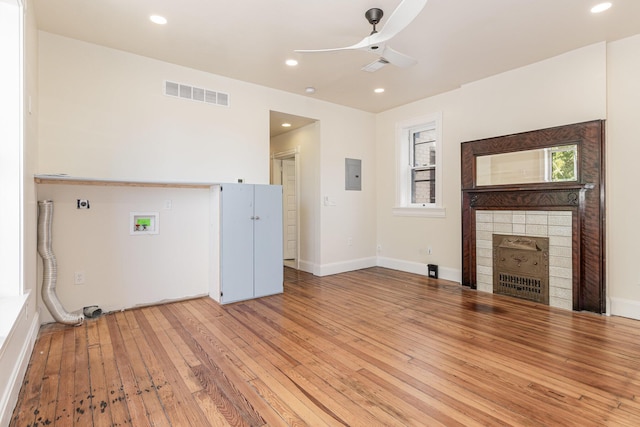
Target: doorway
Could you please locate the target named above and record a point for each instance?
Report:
(285, 172)
(291, 135)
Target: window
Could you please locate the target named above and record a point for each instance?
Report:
(419, 158)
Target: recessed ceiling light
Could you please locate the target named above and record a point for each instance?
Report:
(310, 89)
(291, 62)
(379, 90)
(601, 7)
(286, 125)
(157, 19)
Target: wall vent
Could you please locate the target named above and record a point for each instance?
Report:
(193, 93)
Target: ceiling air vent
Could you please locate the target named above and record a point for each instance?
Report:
(193, 93)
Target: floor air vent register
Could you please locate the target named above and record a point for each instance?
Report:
(521, 267)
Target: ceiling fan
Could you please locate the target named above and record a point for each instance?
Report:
(375, 42)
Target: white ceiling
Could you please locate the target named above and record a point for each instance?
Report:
(455, 41)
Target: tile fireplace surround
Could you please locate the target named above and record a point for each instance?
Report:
(556, 225)
(570, 214)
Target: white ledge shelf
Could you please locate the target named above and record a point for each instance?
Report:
(74, 180)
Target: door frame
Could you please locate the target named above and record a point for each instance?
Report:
(294, 154)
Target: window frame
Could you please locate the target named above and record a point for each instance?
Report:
(11, 152)
(405, 168)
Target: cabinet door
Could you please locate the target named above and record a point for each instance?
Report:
(268, 268)
(236, 246)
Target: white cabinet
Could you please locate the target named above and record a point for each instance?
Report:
(250, 241)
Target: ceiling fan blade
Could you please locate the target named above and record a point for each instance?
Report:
(406, 12)
(396, 58)
(362, 44)
(402, 16)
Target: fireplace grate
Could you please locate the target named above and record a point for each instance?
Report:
(521, 267)
(519, 286)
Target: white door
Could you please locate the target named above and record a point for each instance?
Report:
(236, 247)
(268, 270)
(290, 213)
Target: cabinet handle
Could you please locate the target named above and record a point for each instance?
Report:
(253, 217)
(257, 217)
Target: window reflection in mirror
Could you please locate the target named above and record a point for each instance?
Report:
(553, 164)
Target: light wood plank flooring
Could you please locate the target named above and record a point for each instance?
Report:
(367, 348)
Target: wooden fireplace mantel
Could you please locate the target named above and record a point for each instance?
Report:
(584, 198)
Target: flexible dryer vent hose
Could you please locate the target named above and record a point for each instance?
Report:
(50, 274)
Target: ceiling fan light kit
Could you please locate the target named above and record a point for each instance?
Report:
(375, 42)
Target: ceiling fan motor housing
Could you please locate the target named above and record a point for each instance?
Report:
(373, 15)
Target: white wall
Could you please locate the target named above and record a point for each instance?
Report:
(623, 174)
(103, 115)
(122, 270)
(350, 215)
(566, 89)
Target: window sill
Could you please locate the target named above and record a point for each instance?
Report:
(423, 211)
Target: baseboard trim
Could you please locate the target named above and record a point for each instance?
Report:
(18, 370)
(343, 267)
(625, 308)
(445, 273)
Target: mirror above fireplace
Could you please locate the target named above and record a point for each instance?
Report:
(549, 164)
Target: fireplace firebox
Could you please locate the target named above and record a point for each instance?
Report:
(521, 267)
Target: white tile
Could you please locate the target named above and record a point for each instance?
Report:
(536, 229)
(483, 244)
(562, 272)
(503, 217)
(484, 287)
(503, 228)
(556, 261)
(560, 293)
(519, 218)
(484, 253)
(484, 235)
(484, 269)
(536, 219)
(561, 282)
(561, 303)
(484, 216)
(484, 226)
(560, 220)
(519, 229)
(560, 241)
(560, 231)
(485, 261)
(560, 251)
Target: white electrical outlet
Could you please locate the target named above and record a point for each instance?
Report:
(78, 278)
(349, 241)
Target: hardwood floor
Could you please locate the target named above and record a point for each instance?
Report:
(366, 348)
